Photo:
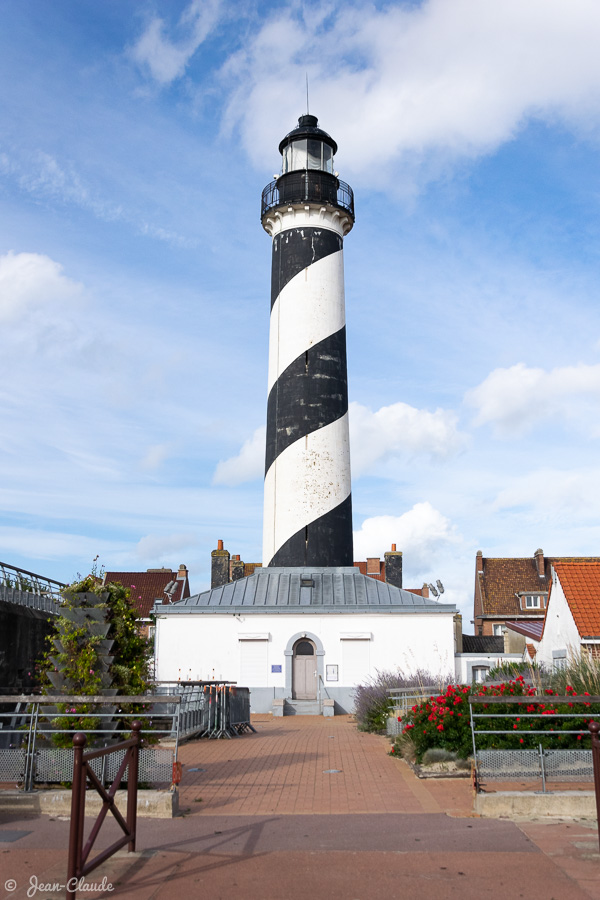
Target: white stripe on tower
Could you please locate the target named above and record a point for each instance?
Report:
(293, 331)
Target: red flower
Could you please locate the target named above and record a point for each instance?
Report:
(520, 740)
(440, 727)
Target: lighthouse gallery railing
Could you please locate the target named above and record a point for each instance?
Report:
(309, 186)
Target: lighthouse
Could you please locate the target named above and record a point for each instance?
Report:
(307, 211)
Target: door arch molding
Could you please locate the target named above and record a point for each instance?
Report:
(289, 654)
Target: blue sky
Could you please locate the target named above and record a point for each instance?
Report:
(134, 275)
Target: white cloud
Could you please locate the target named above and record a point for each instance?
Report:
(31, 283)
(434, 81)
(400, 429)
(155, 456)
(556, 495)
(421, 534)
(248, 465)
(167, 58)
(156, 548)
(513, 400)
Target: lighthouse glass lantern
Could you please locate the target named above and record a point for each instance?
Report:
(307, 172)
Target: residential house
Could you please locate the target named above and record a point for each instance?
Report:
(513, 590)
(154, 586)
(572, 622)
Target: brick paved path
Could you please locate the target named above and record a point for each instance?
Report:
(263, 820)
(285, 769)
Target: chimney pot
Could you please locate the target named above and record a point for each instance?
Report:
(219, 545)
(539, 562)
(393, 548)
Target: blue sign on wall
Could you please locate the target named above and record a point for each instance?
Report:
(275, 668)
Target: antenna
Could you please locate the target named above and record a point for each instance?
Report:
(307, 109)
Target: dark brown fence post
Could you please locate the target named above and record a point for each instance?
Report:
(132, 784)
(77, 812)
(594, 728)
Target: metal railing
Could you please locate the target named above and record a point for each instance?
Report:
(78, 865)
(402, 700)
(25, 588)
(594, 729)
(29, 756)
(544, 763)
(307, 186)
(176, 711)
(21, 579)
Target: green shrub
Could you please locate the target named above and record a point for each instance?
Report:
(444, 721)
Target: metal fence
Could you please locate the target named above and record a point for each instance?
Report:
(402, 700)
(29, 756)
(211, 709)
(176, 711)
(569, 765)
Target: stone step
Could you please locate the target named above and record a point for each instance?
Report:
(302, 708)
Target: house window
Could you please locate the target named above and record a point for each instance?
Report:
(479, 673)
(497, 629)
(532, 601)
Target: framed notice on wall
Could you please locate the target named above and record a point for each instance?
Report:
(331, 673)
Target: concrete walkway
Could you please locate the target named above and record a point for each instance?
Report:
(265, 817)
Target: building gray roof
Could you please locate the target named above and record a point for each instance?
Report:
(305, 590)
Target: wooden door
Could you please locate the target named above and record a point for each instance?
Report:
(304, 671)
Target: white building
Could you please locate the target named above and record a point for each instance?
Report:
(303, 635)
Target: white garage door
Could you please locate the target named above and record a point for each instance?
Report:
(355, 661)
(253, 663)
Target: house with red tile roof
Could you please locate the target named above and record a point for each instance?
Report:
(153, 586)
(572, 623)
(514, 590)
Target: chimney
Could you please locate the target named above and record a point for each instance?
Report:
(236, 568)
(219, 566)
(458, 633)
(373, 565)
(479, 561)
(539, 562)
(425, 591)
(393, 567)
(182, 573)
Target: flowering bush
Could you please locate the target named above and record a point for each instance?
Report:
(444, 721)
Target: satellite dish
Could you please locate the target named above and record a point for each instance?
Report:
(440, 586)
(433, 590)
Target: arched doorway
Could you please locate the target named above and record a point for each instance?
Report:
(304, 670)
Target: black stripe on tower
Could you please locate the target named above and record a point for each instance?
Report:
(311, 393)
(325, 542)
(297, 248)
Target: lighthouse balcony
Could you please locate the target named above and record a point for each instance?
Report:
(308, 186)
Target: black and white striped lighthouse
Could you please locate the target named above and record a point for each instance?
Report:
(307, 211)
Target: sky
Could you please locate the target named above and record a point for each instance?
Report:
(135, 141)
